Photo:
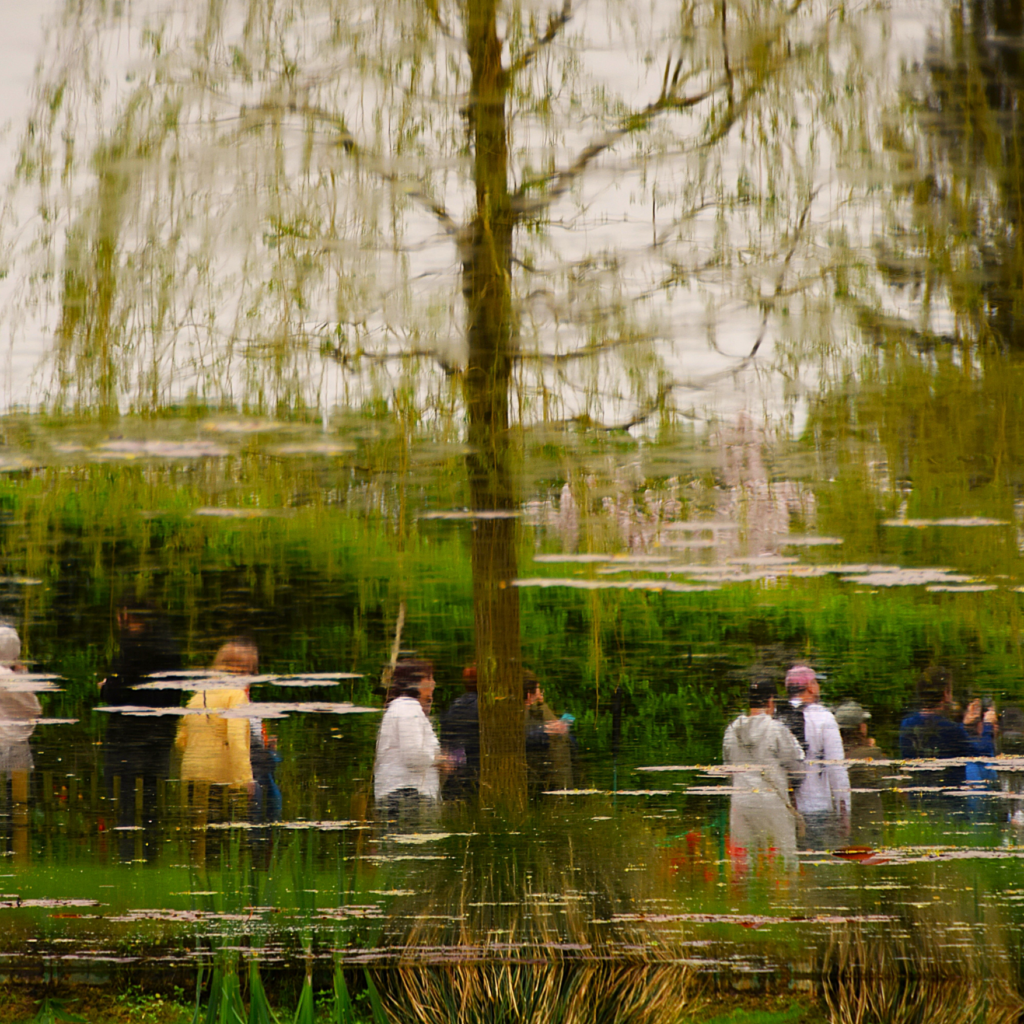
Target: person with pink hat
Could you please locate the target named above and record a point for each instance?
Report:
(823, 795)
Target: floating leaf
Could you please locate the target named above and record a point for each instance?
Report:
(241, 513)
(808, 541)
(966, 521)
(908, 578)
(239, 426)
(125, 449)
(323, 448)
(972, 588)
(460, 514)
(710, 524)
(656, 585)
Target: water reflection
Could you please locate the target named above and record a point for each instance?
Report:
(867, 811)
(489, 849)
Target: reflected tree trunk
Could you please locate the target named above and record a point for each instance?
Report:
(487, 254)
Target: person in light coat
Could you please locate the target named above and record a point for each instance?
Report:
(823, 795)
(762, 754)
(408, 761)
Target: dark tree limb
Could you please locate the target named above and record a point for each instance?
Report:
(556, 24)
(434, 10)
(524, 207)
(582, 353)
(782, 273)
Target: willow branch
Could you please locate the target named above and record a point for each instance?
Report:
(562, 358)
(435, 12)
(782, 273)
(523, 206)
(344, 138)
(556, 24)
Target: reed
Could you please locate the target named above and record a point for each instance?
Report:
(530, 993)
(917, 975)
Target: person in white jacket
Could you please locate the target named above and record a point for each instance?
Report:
(823, 797)
(762, 754)
(406, 769)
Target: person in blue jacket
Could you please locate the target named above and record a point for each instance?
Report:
(930, 733)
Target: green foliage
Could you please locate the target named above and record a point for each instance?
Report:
(344, 1011)
(224, 1005)
(794, 1014)
(54, 1011)
(376, 1005)
(306, 1008)
(260, 1011)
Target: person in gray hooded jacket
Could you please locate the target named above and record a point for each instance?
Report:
(762, 754)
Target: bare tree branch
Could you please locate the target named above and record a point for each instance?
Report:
(435, 12)
(782, 273)
(582, 353)
(725, 57)
(640, 416)
(556, 23)
(562, 181)
(405, 356)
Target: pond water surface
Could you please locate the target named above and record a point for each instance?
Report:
(651, 351)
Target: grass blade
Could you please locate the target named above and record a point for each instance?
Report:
(259, 1005)
(306, 1009)
(379, 1014)
(344, 1013)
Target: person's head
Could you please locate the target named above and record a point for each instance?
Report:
(852, 721)
(134, 617)
(761, 696)
(934, 688)
(414, 679)
(802, 683)
(532, 693)
(239, 657)
(469, 678)
(10, 646)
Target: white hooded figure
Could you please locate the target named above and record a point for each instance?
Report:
(763, 753)
(19, 710)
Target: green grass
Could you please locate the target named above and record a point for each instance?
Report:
(793, 1014)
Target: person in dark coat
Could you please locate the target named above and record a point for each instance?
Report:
(137, 748)
(460, 740)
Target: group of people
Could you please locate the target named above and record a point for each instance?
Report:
(788, 768)
(414, 768)
(203, 747)
(799, 769)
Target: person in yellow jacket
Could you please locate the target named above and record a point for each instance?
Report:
(213, 748)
